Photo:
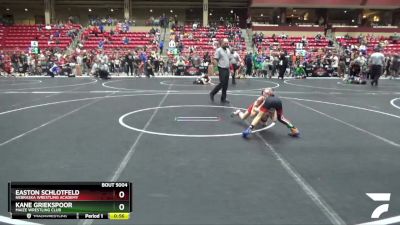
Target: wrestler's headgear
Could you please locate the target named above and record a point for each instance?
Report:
(267, 92)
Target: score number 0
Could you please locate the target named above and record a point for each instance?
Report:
(121, 206)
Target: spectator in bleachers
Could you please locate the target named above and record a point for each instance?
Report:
(248, 22)
(190, 36)
(304, 41)
(221, 21)
(137, 64)
(318, 36)
(395, 67)
(194, 26)
(335, 62)
(236, 62)
(363, 61)
(101, 43)
(192, 48)
(363, 48)
(149, 67)
(360, 38)
(196, 60)
(180, 47)
(341, 67)
(103, 58)
(125, 27)
(79, 65)
(265, 67)
(207, 58)
(275, 63)
(57, 33)
(14, 61)
(388, 62)
(249, 63)
(355, 68)
(257, 64)
(254, 39)
(163, 21)
(283, 65)
(95, 68)
(85, 64)
(125, 40)
(161, 46)
(143, 56)
(157, 62)
(116, 64)
(129, 59)
(152, 31)
(101, 28)
(180, 61)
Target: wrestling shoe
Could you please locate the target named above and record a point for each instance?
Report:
(294, 132)
(225, 102)
(246, 133)
(235, 113)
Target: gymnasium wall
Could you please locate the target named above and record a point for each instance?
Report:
(289, 30)
(312, 31)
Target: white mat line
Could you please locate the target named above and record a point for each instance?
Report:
(198, 117)
(46, 92)
(391, 220)
(129, 154)
(40, 98)
(393, 104)
(8, 220)
(51, 87)
(103, 91)
(326, 209)
(197, 120)
(190, 92)
(48, 122)
(350, 125)
(132, 149)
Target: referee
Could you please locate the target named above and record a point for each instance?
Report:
(222, 58)
(376, 62)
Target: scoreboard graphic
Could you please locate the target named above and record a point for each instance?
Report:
(70, 200)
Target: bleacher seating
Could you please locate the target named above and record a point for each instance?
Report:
(115, 41)
(20, 36)
(203, 43)
(1, 35)
(390, 48)
(289, 44)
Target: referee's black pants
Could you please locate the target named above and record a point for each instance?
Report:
(223, 83)
(129, 68)
(282, 71)
(376, 72)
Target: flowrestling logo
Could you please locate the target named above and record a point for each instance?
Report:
(379, 197)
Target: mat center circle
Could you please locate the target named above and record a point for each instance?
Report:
(190, 120)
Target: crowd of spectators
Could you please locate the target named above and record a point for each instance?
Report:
(119, 37)
(347, 60)
(108, 21)
(359, 51)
